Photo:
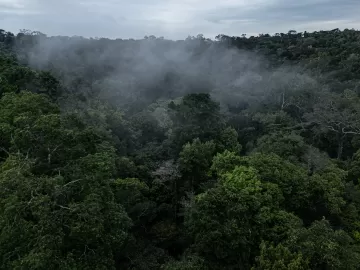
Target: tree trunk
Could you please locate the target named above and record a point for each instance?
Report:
(340, 146)
(176, 200)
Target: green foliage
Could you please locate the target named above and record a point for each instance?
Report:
(197, 116)
(274, 121)
(15, 78)
(133, 195)
(226, 221)
(289, 146)
(354, 170)
(279, 258)
(328, 188)
(110, 162)
(240, 178)
(195, 161)
(325, 247)
(225, 162)
(188, 263)
(59, 223)
(14, 106)
(291, 179)
(229, 141)
(336, 114)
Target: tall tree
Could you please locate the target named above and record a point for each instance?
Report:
(337, 114)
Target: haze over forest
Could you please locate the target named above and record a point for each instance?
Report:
(238, 152)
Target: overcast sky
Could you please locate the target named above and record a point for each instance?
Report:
(176, 19)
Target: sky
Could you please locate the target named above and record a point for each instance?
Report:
(176, 19)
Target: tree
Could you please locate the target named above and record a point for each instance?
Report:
(226, 221)
(166, 188)
(188, 263)
(279, 258)
(326, 248)
(225, 162)
(197, 116)
(354, 170)
(61, 222)
(229, 141)
(143, 248)
(337, 114)
(326, 192)
(289, 146)
(194, 164)
(291, 179)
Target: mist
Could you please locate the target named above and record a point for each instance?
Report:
(137, 73)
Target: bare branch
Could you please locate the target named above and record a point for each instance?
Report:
(4, 150)
(332, 129)
(351, 132)
(64, 207)
(51, 152)
(72, 182)
(32, 197)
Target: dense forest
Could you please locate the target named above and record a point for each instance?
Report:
(232, 153)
